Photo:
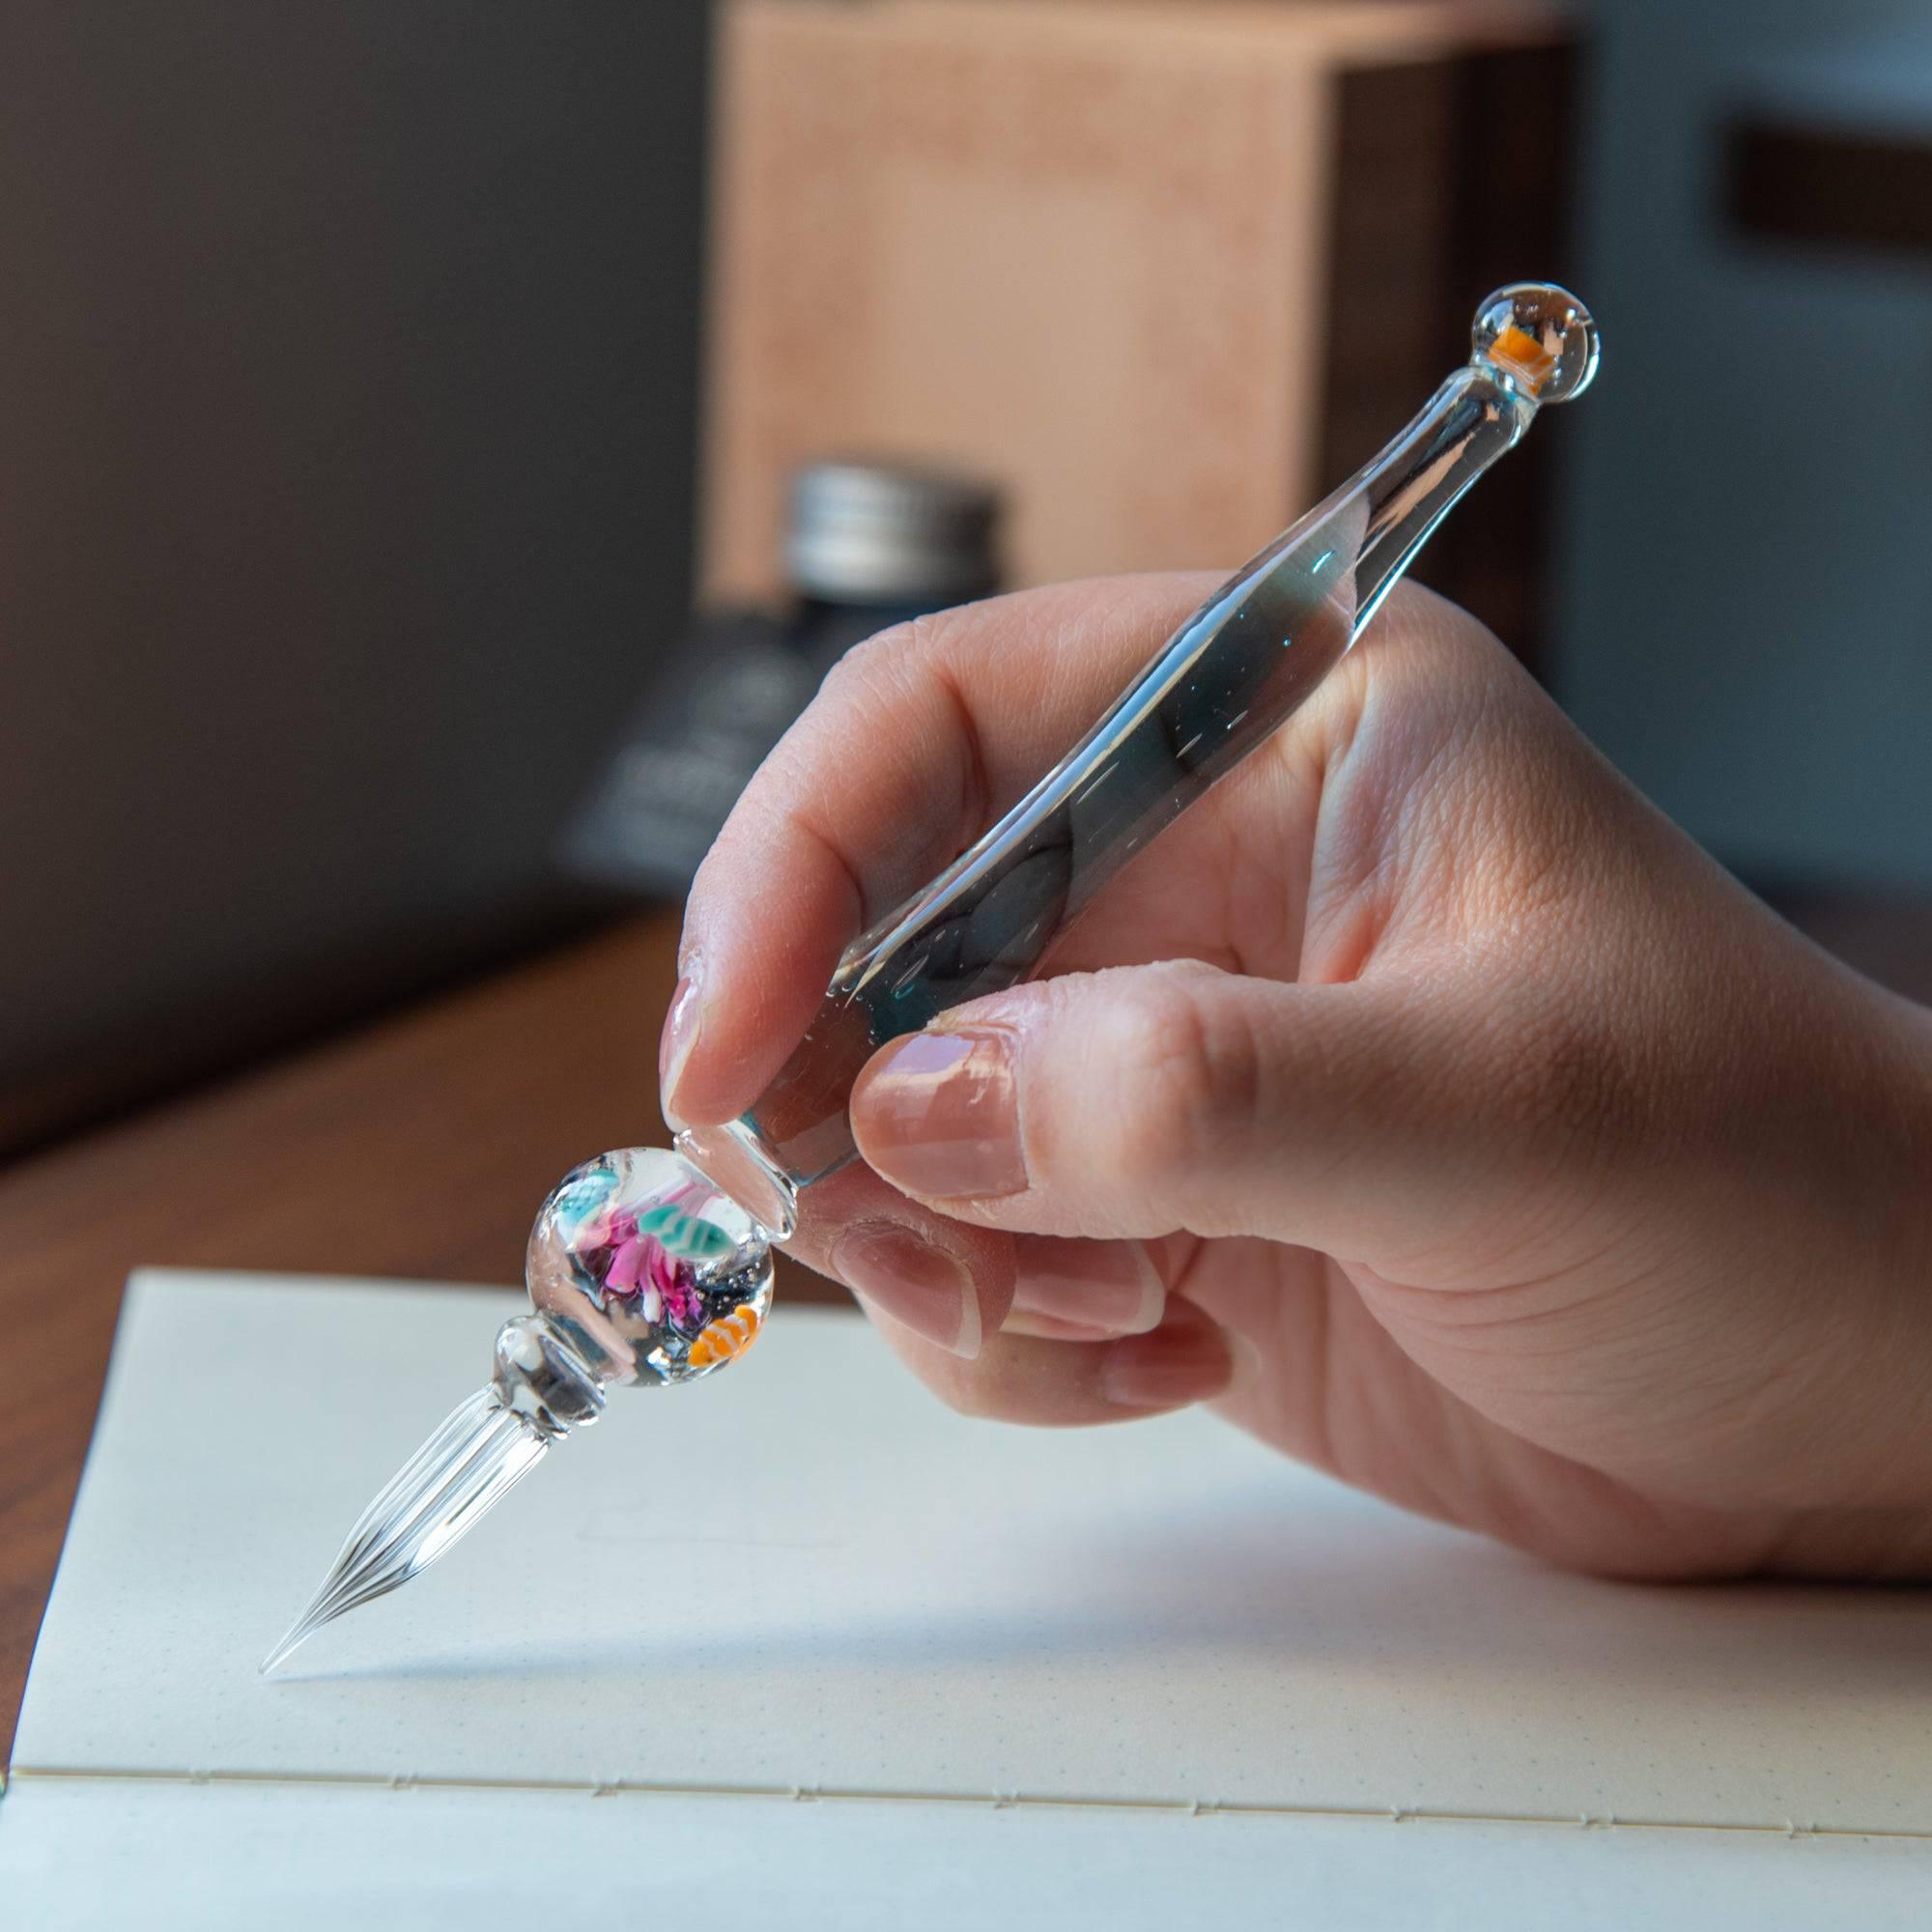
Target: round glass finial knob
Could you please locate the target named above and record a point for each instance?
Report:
(652, 1273)
(1540, 337)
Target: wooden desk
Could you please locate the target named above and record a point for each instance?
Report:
(418, 1147)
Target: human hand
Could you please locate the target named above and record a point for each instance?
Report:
(1422, 1098)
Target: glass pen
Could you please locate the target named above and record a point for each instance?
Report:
(648, 1268)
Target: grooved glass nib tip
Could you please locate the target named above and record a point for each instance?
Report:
(441, 1492)
(300, 1631)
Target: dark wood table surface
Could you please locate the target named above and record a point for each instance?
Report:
(416, 1147)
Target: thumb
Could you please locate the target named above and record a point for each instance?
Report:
(1147, 1100)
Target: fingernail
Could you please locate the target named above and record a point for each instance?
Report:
(912, 1281)
(1109, 1287)
(675, 1043)
(1044, 1328)
(1168, 1369)
(941, 1116)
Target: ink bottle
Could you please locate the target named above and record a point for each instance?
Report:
(867, 545)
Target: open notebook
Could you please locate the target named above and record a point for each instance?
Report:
(798, 1643)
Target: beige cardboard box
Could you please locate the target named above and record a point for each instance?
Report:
(1165, 271)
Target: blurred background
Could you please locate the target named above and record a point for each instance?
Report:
(401, 561)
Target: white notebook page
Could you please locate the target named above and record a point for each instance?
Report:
(804, 1577)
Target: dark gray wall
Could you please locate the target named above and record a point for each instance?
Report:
(1748, 630)
(347, 393)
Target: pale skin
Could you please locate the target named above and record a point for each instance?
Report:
(1423, 1100)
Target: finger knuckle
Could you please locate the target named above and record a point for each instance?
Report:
(1568, 1082)
(865, 668)
(882, 661)
(1184, 1079)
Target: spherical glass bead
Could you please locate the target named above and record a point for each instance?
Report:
(654, 1275)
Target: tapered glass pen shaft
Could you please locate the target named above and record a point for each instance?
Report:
(1218, 688)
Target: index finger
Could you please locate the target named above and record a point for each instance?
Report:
(918, 740)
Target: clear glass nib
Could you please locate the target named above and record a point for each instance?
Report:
(641, 1274)
(444, 1488)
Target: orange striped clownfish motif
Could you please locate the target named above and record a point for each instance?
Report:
(728, 1336)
